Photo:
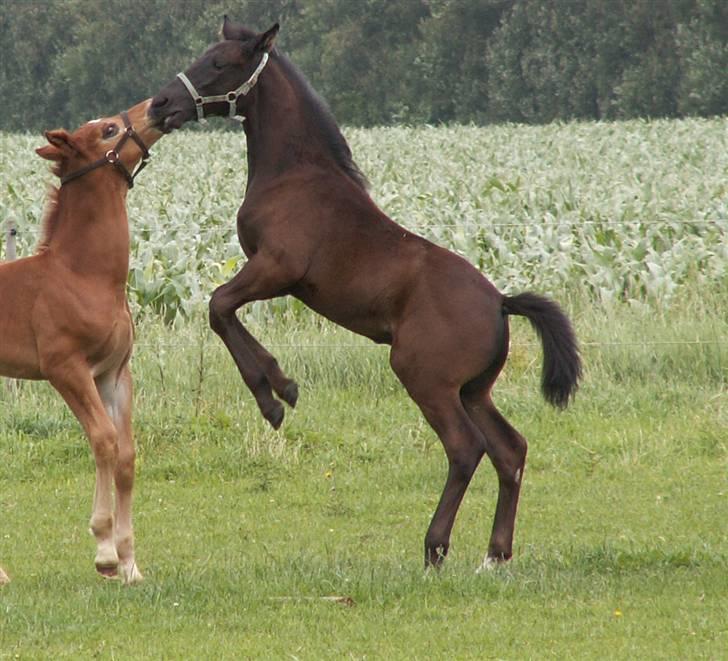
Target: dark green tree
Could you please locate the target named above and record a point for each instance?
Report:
(379, 61)
(703, 50)
(452, 66)
(31, 37)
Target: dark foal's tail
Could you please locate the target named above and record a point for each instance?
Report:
(561, 361)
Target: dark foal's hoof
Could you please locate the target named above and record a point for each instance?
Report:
(492, 561)
(275, 415)
(290, 394)
(434, 557)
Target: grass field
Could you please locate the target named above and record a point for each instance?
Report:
(621, 546)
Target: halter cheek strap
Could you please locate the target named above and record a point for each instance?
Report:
(231, 97)
(112, 157)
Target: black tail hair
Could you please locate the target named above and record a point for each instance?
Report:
(561, 361)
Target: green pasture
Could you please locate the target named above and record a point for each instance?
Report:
(307, 543)
(243, 532)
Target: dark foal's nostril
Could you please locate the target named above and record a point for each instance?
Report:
(159, 102)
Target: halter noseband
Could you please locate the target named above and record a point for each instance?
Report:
(231, 97)
(113, 156)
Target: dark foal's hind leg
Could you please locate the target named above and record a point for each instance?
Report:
(258, 280)
(440, 403)
(506, 449)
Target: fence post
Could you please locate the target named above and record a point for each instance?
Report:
(10, 248)
(11, 253)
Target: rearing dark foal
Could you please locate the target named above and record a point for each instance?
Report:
(309, 229)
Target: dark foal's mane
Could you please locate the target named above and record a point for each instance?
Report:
(319, 114)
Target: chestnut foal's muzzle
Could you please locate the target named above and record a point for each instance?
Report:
(112, 157)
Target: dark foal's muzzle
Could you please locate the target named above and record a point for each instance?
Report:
(113, 156)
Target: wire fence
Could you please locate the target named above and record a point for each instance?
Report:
(570, 223)
(373, 346)
(11, 233)
(721, 223)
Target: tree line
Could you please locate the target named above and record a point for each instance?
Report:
(381, 61)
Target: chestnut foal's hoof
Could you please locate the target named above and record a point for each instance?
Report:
(130, 574)
(4, 578)
(275, 415)
(290, 394)
(108, 571)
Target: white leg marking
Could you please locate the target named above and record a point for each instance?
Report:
(488, 565)
(102, 517)
(130, 574)
(117, 396)
(518, 476)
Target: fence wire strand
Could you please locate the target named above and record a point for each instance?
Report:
(351, 347)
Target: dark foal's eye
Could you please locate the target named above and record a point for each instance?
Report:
(110, 131)
(218, 64)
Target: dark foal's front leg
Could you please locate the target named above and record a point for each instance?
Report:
(284, 387)
(258, 280)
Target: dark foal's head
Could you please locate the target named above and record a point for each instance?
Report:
(221, 70)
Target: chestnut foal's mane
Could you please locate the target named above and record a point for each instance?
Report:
(50, 215)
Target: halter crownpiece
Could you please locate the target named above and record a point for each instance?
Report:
(113, 157)
(231, 97)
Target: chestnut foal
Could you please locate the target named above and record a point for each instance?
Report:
(64, 315)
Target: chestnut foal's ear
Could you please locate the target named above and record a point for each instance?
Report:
(266, 41)
(61, 146)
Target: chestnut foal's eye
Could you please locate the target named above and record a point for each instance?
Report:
(110, 131)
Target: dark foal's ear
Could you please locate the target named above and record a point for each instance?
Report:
(233, 31)
(228, 31)
(61, 146)
(266, 41)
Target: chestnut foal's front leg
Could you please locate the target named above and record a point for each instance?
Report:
(73, 380)
(259, 279)
(116, 392)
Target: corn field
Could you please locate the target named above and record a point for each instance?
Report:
(634, 211)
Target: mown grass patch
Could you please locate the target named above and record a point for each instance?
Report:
(243, 532)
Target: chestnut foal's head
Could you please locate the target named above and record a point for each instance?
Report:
(95, 140)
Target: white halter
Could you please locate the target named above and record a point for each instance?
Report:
(231, 97)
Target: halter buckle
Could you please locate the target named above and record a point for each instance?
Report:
(113, 156)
